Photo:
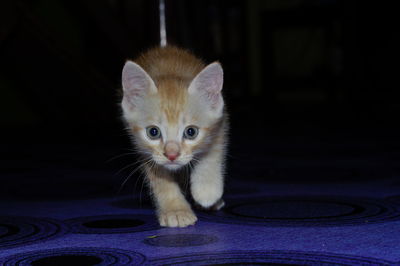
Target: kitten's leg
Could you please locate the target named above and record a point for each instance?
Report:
(207, 183)
(172, 208)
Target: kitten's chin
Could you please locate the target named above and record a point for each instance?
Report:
(172, 166)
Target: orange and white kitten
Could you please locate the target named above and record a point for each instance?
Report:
(173, 106)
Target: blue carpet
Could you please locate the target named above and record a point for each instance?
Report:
(58, 214)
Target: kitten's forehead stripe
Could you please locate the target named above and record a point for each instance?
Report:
(173, 99)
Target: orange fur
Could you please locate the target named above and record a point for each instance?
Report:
(173, 98)
(170, 62)
(172, 69)
(136, 129)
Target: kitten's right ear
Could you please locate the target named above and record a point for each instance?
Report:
(207, 86)
(136, 83)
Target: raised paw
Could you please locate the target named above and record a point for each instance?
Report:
(177, 218)
(207, 197)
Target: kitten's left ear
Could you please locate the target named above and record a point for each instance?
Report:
(208, 85)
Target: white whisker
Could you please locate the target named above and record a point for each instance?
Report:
(132, 164)
(132, 173)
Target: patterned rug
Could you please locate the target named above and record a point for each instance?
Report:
(54, 212)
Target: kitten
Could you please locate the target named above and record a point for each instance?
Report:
(172, 105)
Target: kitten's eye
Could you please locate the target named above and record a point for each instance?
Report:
(153, 132)
(191, 132)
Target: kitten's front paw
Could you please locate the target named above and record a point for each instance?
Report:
(177, 218)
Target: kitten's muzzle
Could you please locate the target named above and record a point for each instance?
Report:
(171, 150)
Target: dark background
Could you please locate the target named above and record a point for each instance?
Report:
(311, 87)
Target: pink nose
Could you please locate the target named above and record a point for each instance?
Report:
(171, 150)
(172, 156)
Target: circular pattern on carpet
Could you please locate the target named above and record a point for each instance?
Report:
(76, 256)
(306, 211)
(268, 258)
(113, 224)
(17, 231)
(181, 240)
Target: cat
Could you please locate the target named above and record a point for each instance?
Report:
(173, 107)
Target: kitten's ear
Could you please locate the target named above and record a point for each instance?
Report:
(136, 83)
(208, 85)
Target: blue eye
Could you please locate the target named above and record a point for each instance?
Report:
(153, 132)
(191, 132)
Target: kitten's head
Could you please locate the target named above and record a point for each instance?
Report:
(172, 120)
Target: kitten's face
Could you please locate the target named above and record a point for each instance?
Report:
(171, 123)
(170, 143)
